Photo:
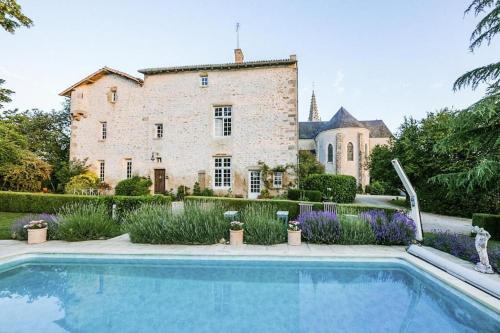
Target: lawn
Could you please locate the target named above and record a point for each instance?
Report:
(6, 220)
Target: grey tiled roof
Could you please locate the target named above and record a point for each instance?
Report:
(308, 129)
(378, 129)
(233, 65)
(343, 119)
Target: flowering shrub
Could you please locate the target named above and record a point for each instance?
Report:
(236, 225)
(19, 231)
(294, 225)
(320, 227)
(461, 246)
(398, 230)
(40, 224)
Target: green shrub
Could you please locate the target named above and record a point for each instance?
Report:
(355, 231)
(134, 186)
(182, 191)
(262, 226)
(79, 222)
(376, 188)
(490, 223)
(287, 205)
(336, 188)
(87, 180)
(304, 195)
(126, 204)
(239, 204)
(198, 224)
(21, 202)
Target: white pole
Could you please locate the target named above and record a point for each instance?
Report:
(415, 210)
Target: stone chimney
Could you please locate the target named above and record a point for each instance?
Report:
(238, 56)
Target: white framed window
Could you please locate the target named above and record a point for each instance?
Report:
(204, 80)
(159, 131)
(129, 168)
(277, 179)
(222, 174)
(101, 170)
(104, 130)
(222, 118)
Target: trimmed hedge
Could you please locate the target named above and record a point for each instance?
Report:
(291, 206)
(21, 202)
(340, 188)
(490, 223)
(311, 195)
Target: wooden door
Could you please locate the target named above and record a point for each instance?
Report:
(159, 181)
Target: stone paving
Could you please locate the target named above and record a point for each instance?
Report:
(429, 221)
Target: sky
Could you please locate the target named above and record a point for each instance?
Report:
(383, 59)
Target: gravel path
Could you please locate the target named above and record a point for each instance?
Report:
(429, 221)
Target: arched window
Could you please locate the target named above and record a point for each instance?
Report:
(350, 152)
(330, 153)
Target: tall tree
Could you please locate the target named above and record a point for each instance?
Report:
(484, 32)
(11, 18)
(48, 136)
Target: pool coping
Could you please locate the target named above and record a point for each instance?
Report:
(11, 251)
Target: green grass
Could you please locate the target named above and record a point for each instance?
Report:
(400, 202)
(6, 220)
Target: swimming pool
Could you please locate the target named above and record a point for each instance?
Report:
(95, 294)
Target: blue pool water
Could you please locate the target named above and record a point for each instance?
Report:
(62, 294)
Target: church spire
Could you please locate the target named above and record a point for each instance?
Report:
(313, 110)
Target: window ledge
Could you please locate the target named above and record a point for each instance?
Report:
(101, 140)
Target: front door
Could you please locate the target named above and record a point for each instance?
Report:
(253, 184)
(159, 181)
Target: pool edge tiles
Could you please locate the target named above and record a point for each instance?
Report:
(418, 266)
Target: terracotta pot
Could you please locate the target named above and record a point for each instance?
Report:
(36, 236)
(236, 237)
(294, 237)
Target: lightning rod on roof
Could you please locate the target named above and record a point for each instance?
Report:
(237, 35)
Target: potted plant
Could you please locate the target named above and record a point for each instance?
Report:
(294, 233)
(236, 233)
(37, 231)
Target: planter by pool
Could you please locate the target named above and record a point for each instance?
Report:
(141, 294)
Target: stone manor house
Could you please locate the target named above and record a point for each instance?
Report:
(217, 124)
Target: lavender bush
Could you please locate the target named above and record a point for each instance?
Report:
(397, 230)
(320, 227)
(461, 246)
(20, 233)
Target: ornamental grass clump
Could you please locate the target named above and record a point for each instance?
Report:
(320, 227)
(355, 231)
(19, 231)
(198, 223)
(397, 230)
(461, 246)
(79, 222)
(262, 226)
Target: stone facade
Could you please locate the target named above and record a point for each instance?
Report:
(264, 119)
(351, 143)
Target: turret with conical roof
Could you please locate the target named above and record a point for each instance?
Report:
(313, 110)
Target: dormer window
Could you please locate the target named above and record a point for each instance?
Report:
(113, 95)
(204, 80)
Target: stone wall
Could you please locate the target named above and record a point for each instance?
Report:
(264, 124)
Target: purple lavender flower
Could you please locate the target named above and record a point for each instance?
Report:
(398, 230)
(461, 246)
(320, 227)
